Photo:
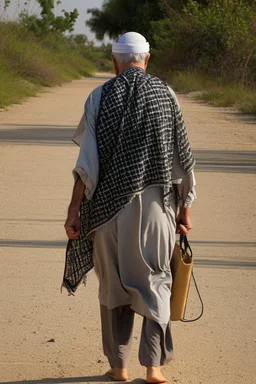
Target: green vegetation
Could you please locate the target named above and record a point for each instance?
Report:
(203, 45)
(35, 52)
(48, 22)
(214, 91)
(28, 62)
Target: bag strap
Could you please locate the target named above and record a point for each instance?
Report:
(184, 245)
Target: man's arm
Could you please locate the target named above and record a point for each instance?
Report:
(87, 165)
(73, 223)
(186, 195)
(184, 186)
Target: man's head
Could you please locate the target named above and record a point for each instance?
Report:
(130, 50)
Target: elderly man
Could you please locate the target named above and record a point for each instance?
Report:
(134, 169)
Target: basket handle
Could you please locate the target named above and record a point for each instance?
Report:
(184, 245)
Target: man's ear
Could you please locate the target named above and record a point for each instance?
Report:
(146, 61)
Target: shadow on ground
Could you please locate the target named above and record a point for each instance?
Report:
(222, 261)
(245, 118)
(62, 243)
(37, 135)
(225, 161)
(85, 379)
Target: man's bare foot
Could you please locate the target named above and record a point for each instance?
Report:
(154, 375)
(117, 374)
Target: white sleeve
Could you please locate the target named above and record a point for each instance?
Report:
(87, 165)
(185, 183)
(186, 190)
(174, 96)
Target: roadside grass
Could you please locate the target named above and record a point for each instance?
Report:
(13, 88)
(238, 97)
(28, 63)
(187, 82)
(100, 57)
(215, 91)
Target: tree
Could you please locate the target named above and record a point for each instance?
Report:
(6, 4)
(79, 40)
(119, 16)
(217, 40)
(48, 21)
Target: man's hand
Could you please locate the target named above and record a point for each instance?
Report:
(73, 222)
(183, 220)
(73, 225)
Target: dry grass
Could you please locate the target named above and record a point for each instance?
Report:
(215, 91)
(26, 63)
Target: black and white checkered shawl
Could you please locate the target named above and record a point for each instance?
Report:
(138, 126)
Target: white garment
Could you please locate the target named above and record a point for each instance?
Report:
(132, 256)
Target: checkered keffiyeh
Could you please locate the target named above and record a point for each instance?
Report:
(138, 126)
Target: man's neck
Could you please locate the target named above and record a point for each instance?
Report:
(124, 66)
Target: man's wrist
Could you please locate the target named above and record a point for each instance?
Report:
(72, 209)
(185, 211)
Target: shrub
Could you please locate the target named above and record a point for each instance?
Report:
(218, 39)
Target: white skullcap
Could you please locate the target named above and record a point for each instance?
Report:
(131, 42)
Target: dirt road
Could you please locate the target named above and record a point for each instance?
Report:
(48, 337)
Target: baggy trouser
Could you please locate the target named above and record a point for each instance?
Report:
(156, 347)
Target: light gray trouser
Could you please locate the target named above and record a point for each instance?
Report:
(156, 346)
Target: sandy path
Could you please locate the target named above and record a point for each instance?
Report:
(36, 158)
